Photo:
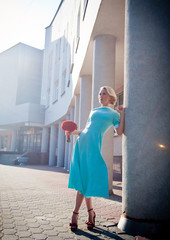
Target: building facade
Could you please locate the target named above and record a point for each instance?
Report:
(91, 43)
(84, 50)
(21, 115)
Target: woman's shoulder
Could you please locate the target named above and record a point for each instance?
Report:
(104, 108)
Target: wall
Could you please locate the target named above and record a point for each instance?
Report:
(20, 85)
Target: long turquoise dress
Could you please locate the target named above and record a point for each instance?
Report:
(88, 171)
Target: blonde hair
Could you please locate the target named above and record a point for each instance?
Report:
(112, 94)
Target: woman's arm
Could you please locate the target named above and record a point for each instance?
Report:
(76, 132)
(120, 129)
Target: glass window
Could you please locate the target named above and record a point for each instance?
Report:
(84, 8)
(4, 142)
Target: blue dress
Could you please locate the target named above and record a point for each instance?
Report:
(88, 171)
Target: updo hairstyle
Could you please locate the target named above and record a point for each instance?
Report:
(112, 94)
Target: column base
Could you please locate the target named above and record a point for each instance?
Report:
(149, 229)
(110, 192)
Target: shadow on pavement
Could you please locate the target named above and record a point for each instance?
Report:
(96, 234)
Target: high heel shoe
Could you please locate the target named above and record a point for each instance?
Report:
(91, 225)
(73, 226)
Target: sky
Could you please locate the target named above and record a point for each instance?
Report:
(25, 21)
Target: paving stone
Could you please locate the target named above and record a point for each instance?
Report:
(6, 216)
(47, 227)
(31, 220)
(36, 230)
(43, 222)
(66, 235)
(107, 224)
(17, 218)
(27, 238)
(8, 221)
(10, 237)
(57, 224)
(39, 205)
(40, 236)
(20, 223)
(33, 225)
(54, 238)
(8, 225)
(9, 231)
(51, 232)
(21, 228)
(61, 229)
(23, 234)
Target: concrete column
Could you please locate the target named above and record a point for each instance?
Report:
(66, 152)
(13, 141)
(104, 74)
(45, 139)
(77, 106)
(85, 99)
(71, 138)
(146, 151)
(76, 115)
(53, 145)
(61, 146)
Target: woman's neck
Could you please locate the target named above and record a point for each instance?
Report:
(107, 105)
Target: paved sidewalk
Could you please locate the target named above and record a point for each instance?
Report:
(35, 203)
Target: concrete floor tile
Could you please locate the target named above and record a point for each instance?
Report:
(40, 236)
(10, 237)
(9, 231)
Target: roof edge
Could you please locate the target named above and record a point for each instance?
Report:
(56, 13)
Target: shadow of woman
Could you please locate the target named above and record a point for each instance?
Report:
(97, 233)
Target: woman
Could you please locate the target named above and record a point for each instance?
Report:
(88, 172)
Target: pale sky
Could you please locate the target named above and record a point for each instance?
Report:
(25, 21)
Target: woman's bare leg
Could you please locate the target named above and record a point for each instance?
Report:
(79, 200)
(89, 206)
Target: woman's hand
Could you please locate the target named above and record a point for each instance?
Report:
(75, 132)
(120, 109)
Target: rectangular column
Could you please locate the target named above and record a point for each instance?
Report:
(104, 74)
(53, 145)
(61, 146)
(85, 99)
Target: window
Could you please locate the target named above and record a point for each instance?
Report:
(50, 67)
(55, 89)
(119, 99)
(63, 83)
(57, 62)
(78, 30)
(72, 56)
(4, 142)
(48, 97)
(29, 139)
(84, 8)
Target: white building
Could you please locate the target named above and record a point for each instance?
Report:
(87, 45)
(20, 89)
(84, 50)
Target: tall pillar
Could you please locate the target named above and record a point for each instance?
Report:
(71, 138)
(146, 151)
(77, 106)
(85, 99)
(13, 141)
(66, 152)
(61, 146)
(45, 138)
(53, 145)
(76, 115)
(104, 74)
